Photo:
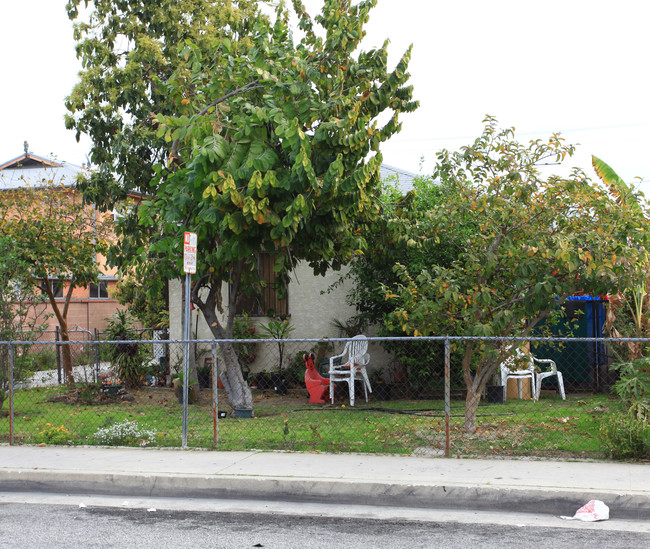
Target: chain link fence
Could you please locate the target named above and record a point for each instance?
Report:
(412, 400)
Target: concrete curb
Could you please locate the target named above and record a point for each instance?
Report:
(425, 496)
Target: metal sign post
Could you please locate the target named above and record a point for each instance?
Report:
(189, 268)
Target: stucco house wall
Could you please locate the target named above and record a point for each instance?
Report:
(311, 307)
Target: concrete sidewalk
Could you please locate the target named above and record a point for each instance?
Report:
(526, 486)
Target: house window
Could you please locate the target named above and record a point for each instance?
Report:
(56, 285)
(268, 302)
(99, 291)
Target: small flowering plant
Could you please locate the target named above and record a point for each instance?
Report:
(55, 435)
(124, 433)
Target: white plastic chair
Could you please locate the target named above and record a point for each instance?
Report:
(350, 366)
(551, 370)
(523, 365)
(518, 366)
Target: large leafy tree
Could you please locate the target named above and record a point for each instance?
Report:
(401, 234)
(628, 311)
(126, 48)
(532, 242)
(57, 238)
(273, 146)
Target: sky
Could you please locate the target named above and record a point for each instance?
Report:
(579, 67)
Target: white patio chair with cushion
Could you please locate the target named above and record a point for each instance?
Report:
(518, 366)
(350, 366)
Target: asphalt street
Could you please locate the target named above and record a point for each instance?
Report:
(61, 525)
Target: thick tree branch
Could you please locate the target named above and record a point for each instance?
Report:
(173, 155)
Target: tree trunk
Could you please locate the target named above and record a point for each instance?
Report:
(62, 317)
(66, 352)
(471, 407)
(239, 392)
(475, 384)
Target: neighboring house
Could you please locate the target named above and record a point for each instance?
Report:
(90, 306)
(402, 178)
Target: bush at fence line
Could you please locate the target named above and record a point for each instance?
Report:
(105, 352)
(22, 368)
(295, 370)
(124, 433)
(38, 360)
(633, 387)
(52, 434)
(423, 363)
(130, 359)
(626, 437)
(83, 356)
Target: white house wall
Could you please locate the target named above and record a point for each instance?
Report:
(312, 310)
(311, 307)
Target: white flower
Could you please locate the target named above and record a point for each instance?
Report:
(124, 433)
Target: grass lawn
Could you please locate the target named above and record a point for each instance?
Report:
(547, 428)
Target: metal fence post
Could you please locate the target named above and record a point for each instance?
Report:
(215, 394)
(96, 353)
(58, 355)
(447, 394)
(11, 394)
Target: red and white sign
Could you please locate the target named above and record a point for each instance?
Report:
(189, 253)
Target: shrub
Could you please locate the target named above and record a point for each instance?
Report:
(124, 433)
(633, 387)
(129, 358)
(40, 361)
(88, 392)
(626, 437)
(244, 328)
(54, 435)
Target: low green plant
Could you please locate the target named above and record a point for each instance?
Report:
(626, 437)
(40, 361)
(84, 356)
(130, 358)
(124, 433)
(288, 436)
(295, 370)
(279, 329)
(89, 391)
(633, 387)
(178, 379)
(244, 328)
(54, 435)
(262, 380)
